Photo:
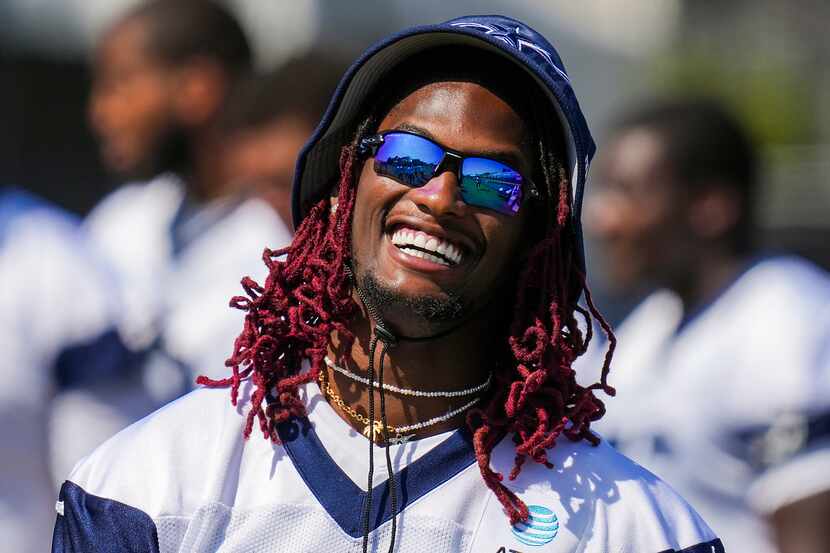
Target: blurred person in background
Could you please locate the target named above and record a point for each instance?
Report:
(268, 120)
(179, 237)
(51, 307)
(723, 372)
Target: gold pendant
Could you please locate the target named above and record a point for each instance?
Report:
(373, 430)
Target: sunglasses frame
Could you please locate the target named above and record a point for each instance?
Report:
(452, 160)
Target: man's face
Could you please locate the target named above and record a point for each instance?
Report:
(464, 117)
(638, 213)
(263, 158)
(130, 108)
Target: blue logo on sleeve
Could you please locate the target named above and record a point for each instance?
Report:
(541, 526)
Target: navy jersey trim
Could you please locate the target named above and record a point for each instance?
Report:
(714, 546)
(99, 358)
(92, 524)
(775, 444)
(344, 500)
(16, 202)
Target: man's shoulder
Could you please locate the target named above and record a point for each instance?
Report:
(598, 472)
(161, 463)
(241, 228)
(790, 280)
(158, 197)
(782, 292)
(608, 501)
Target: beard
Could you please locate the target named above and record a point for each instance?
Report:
(169, 153)
(431, 309)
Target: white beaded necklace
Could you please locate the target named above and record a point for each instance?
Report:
(410, 392)
(435, 420)
(374, 428)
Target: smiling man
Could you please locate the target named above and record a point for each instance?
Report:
(424, 319)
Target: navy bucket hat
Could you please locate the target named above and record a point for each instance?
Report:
(318, 163)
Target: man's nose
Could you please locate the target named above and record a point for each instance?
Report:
(440, 196)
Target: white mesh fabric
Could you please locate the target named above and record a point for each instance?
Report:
(217, 528)
(171, 530)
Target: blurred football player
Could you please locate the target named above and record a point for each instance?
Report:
(723, 373)
(51, 309)
(269, 118)
(178, 239)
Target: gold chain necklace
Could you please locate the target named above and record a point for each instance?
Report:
(373, 429)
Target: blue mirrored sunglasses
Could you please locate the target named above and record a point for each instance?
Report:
(413, 160)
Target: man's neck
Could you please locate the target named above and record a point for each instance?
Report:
(207, 180)
(715, 271)
(459, 360)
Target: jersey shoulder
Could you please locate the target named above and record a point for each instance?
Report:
(168, 462)
(794, 283)
(147, 205)
(607, 502)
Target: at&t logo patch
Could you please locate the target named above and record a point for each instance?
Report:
(541, 526)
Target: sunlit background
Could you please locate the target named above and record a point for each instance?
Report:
(768, 61)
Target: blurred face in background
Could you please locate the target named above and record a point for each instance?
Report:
(263, 158)
(638, 213)
(131, 106)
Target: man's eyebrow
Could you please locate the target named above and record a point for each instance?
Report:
(510, 157)
(416, 129)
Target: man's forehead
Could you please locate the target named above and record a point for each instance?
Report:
(447, 99)
(127, 37)
(453, 113)
(635, 150)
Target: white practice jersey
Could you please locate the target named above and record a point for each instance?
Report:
(177, 267)
(50, 299)
(731, 406)
(184, 480)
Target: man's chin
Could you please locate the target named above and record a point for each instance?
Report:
(430, 311)
(132, 173)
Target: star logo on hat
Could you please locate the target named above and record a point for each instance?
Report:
(513, 38)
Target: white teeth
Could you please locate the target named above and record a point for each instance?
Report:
(452, 253)
(404, 237)
(436, 259)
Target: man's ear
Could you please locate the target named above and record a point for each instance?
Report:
(201, 89)
(714, 211)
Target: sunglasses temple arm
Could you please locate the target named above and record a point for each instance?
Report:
(369, 144)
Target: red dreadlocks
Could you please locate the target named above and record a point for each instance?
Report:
(308, 296)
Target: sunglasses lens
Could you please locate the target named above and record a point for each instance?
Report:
(407, 158)
(491, 184)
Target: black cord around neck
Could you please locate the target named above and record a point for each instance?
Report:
(382, 333)
(367, 507)
(389, 470)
